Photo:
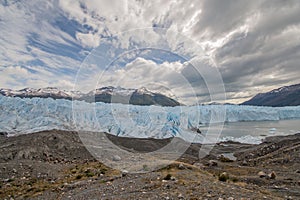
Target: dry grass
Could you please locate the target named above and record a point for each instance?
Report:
(34, 187)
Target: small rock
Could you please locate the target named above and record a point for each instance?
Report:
(180, 196)
(244, 163)
(116, 158)
(181, 166)
(6, 180)
(168, 177)
(198, 165)
(212, 163)
(14, 170)
(108, 183)
(173, 178)
(297, 171)
(230, 198)
(272, 175)
(262, 174)
(226, 157)
(124, 173)
(223, 177)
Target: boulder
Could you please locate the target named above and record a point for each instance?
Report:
(116, 158)
(223, 177)
(262, 174)
(212, 163)
(272, 175)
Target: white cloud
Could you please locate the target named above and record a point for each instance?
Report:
(248, 40)
(10, 74)
(88, 39)
(166, 77)
(17, 77)
(27, 34)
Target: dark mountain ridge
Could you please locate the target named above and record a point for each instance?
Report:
(283, 96)
(109, 94)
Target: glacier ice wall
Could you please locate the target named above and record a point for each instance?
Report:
(37, 114)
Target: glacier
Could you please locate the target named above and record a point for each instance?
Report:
(21, 116)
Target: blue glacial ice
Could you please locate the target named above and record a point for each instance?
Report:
(19, 116)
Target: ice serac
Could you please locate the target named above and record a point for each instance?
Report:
(26, 115)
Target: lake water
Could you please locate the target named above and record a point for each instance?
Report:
(255, 131)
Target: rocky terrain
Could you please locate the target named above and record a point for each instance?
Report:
(56, 165)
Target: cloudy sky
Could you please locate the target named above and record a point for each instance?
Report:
(186, 49)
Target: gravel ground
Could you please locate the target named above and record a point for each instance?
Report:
(56, 165)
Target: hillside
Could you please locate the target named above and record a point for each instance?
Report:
(140, 96)
(283, 96)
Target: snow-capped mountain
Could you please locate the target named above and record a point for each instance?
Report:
(214, 103)
(140, 96)
(110, 94)
(48, 92)
(283, 96)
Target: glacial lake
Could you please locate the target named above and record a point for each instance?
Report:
(254, 132)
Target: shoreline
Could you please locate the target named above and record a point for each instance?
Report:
(221, 140)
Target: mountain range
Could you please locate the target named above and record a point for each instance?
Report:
(283, 96)
(110, 94)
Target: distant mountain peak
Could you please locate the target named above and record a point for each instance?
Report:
(108, 94)
(26, 89)
(144, 90)
(106, 88)
(283, 96)
(140, 96)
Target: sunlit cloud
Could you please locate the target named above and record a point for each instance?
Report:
(255, 45)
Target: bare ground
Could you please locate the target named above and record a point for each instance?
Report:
(56, 165)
